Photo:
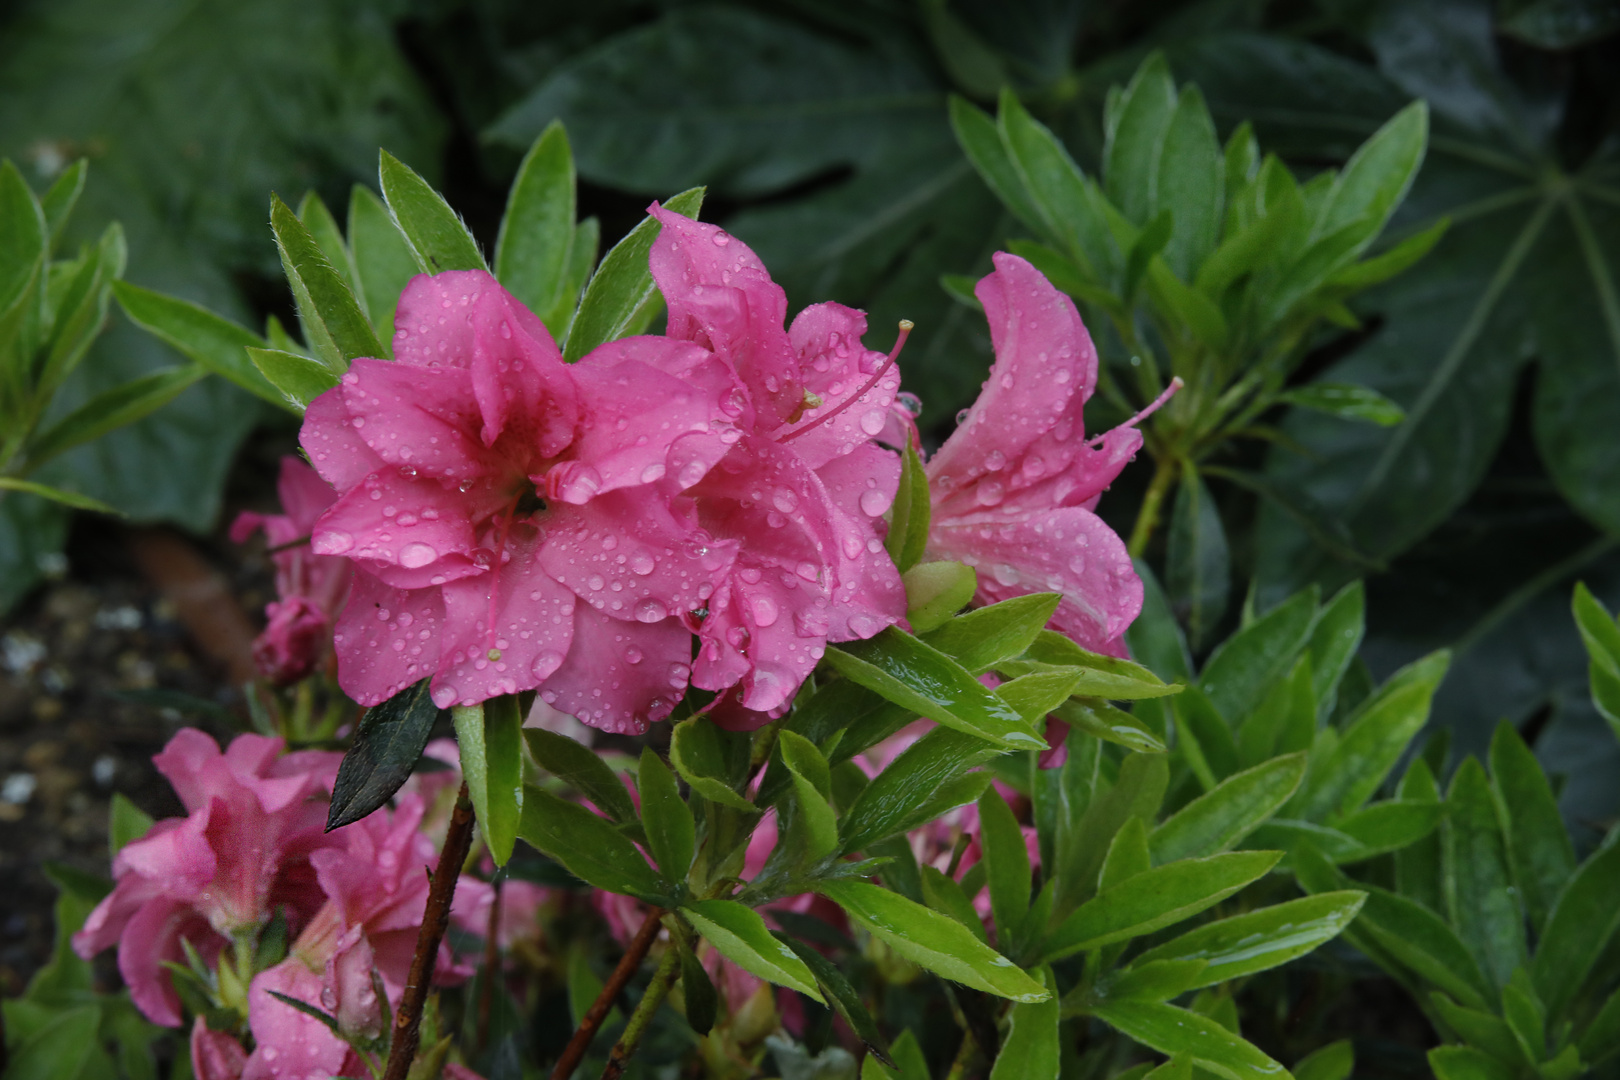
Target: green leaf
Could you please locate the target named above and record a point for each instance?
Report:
(590, 848)
(1243, 667)
(694, 750)
(1190, 179)
(897, 796)
(490, 737)
(62, 196)
(1066, 203)
(125, 822)
(383, 258)
(1031, 1050)
(1524, 1016)
(841, 995)
(1219, 819)
(1389, 825)
(67, 1047)
(1006, 860)
(1170, 1030)
(1376, 178)
(334, 326)
(936, 591)
(1260, 940)
(1101, 720)
(1335, 1061)
(1155, 899)
(387, 745)
(949, 898)
(206, 339)
(1582, 923)
(1466, 1063)
(1539, 848)
(296, 380)
(111, 410)
(1601, 1039)
(742, 937)
(1100, 676)
(1478, 886)
(1198, 571)
(1391, 263)
(324, 228)
(931, 940)
(1134, 137)
(1559, 24)
(583, 770)
(665, 817)
(984, 637)
(919, 677)
(1346, 401)
(812, 781)
(1482, 1030)
(80, 311)
(24, 239)
(534, 250)
(1204, 740)
(1373, 741)
(912, 509)
(621, 297)
(57, 495)
(1138, 792)
(699, 996)
(1333, 644)
(982, 141)
(1154, 235)
(1127, 856)
(435, 232)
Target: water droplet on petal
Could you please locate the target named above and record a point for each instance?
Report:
(874, 502)
(642, 563)
(651, 611)
(416, 554)
(332, 542)
(764, 610)
(872, 422)
(444, 696)
(545, 664)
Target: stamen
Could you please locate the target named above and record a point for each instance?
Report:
(1152, 407)
(906, 326)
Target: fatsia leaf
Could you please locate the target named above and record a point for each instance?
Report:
(387, 745)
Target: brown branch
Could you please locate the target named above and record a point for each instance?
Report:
(574, 1052)
(407, 1033)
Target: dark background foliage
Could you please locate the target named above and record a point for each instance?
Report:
(821, 130)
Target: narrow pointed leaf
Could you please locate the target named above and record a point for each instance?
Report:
(665, 817)
(57, 495)
(1170, 1030)
(387, 745)
(842, 996)
(589, 847)
(214, 342)
(908, 528)
(296, 380)
(334, 325)
(111, 410)
(742, 937)
(383, 259)
(621, 297)
(435, 232)
(583, 770)
(1260, 940)
(1219, 819)
(535, 245)
(1582, 923)
(490, 737)
(1031, 1050)
(1006, 859)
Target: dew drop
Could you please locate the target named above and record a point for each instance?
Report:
(874, 502)
(642, 563)
(651, 611)
(416, 554)
(545, 664)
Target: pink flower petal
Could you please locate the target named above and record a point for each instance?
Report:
(215, 1055)
(304, 495)
(387, 638)
(427, 419)
(409, 531)
(348, 993)
(290, 1043)
(621, 676)
(180, 858)
(837, 367)
(151, 937)
(334, 446)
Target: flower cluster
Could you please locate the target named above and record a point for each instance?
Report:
(515, 522)
(250, 849)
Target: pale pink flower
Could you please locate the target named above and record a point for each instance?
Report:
(803, 488)
(1014, 487)
(215, 1055)
(255, 820)
(487, 488)
(311, 588)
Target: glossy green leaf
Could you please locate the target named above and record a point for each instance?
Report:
(1243, 667)
(383, 258)
(742, 937)
(984, 637)
(1219, 819)
(910, 514)
(125, 822)
(1101, 720)
(981, 140)
(111, 410)
(296, 380)
(1260, 940)
(911, 673)
(701, 1000)
(1337, 635)
(435, 232)
(1391, 263)
(841, 995)
(490, 738)
(387, 745)
(1066, 203)
(1137, 792)
(947, 897)
(204, 338)
(1582, 923)
(1346, 401)
(932, 941)
(665, 817)
(1170, 1030)
(1135, 135)
(621, 297)
(588, 846)
(1203, 739)
(1376, 178)
(936, 591)
(534, 249)
(1101, 676)
(1128, 855)
(1031, 1049)
(812, 782)
(1006, 860)
(583, 770)
(1478, 884)
(897, 795)
(694, 750)
(1482, 1030)
(1198, 573)
(1388, 825)
(1155, 899)
(334, 325)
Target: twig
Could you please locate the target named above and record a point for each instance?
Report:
(492, 965)
(408, 1020)
(591, 1023)
(668, 968)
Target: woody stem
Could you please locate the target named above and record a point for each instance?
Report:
(408, 1020)
(664, 978)
(591, 1022)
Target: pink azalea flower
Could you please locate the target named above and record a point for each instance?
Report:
(215, 1055)
(1014, 487)
(801, 492)
(255, 820)
(517, 522)
(311, 587)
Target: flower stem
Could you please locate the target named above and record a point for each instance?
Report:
(407, 1033)
(591, 1023)
(1147, 518)
(668, 968)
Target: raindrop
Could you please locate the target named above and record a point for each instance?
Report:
(910, 402)
(332, 542)
(544, 665)
(990, 493)
(764, 610)
(642, 563)
(652, 472)
(632, 655)
(416, 554)
(872, 422)
(874, 502)
(651, 611)
(444, 696)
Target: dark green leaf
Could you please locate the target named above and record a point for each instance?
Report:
(697, 990)
(66, 1047)
(1191, 180)
(592, 850)
(665, 817)
(1335, 1061)
(435, 232)
(981, 140)
(1217, 820)
(695, 751)
(534, 250)
(1198, 572)
(1204, 740)
(1243, 666)
(621, 296)
(490, 737)
(1006, 860)
(1376, 178)
(1170, 1030)
(1539, 848)
(1101, 720)
(1582, 922)
(1333, 644)
(1100, 676)
(842, 996)
(296, 380)
(742, 937)
(1480, 1029)
(1067, 204)
(1389, 825)
(1154, 235)
(1466, 1063)
(1346, 401)
(812, 782)
(1260, 940)
(948, 898)
(1138, 792)
(582, 770)
(56, 495)
(932, 941)
(1135, 134)
(1155, 637)
(896, 796)
(62, 196)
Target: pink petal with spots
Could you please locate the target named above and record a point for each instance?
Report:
(427, 419)
(621, 676)
(387, 638)
(532, 627)
(328, 436)
(854, 386)
(215, 1055)
(291, 1044)
(720, 295)
(628, 555)
(411, 532)
(1068, 550)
